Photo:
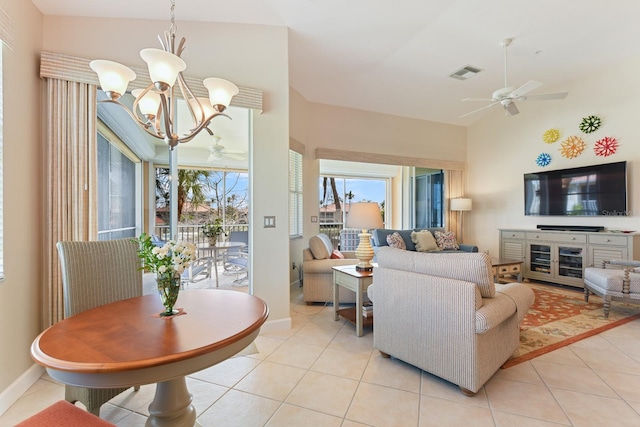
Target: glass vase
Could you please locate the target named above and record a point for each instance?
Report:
(168, 288)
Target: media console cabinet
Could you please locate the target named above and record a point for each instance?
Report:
(561, 256)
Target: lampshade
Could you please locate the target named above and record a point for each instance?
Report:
(220, 92)
(364, 215)
(205, 105)
(113, 77)
(460, 204)
(163, 66)
(149, 103)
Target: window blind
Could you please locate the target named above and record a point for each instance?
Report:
(295, 194)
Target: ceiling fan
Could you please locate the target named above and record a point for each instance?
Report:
(218, 152)
(508, 95)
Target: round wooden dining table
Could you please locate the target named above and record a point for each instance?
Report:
(127, 343)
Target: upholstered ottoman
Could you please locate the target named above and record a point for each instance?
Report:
(613, 285)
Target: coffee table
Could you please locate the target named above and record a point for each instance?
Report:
(348, 277)
(502, 266)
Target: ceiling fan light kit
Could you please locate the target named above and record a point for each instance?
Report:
(507, 95)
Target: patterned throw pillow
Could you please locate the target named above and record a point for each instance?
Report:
(395, 240)
(446, 240)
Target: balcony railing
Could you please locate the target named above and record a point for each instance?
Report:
(193, 233)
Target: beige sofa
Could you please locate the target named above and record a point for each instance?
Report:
(317, 275)
(445, 315)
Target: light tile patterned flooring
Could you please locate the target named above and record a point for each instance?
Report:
(320, 374)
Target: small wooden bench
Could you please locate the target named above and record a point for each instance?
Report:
(64, 414)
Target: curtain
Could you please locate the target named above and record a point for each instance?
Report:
(71, 185)
(453, 188)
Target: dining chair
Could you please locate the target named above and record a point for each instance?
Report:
(236, 260)
(93, 274)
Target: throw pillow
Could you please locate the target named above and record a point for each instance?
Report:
(424, 240)
(395, 240)
(446, 240)
(320, 246)
(336, 254)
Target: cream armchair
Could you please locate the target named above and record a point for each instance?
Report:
(317, 274)
(445, 315)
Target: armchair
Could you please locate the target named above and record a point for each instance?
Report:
(445, 315)
(620, 283)
(317, 275)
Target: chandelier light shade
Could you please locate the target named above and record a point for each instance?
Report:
(149, 103)
(220, 92)
(114, 77)
(153, 108)
(365, 216)
(163, 67)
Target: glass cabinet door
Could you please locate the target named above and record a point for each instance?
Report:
(570, 261)
(540, 259)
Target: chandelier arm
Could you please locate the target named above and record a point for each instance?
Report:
(181, 47)
(170, 138)
(201, 126)
(188, 95)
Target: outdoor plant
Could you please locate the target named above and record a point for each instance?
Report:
(213, 229)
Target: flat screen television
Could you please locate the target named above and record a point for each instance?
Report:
(598, 190)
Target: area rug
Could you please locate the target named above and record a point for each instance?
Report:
(560, 317)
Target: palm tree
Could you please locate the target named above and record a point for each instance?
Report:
(193, 186)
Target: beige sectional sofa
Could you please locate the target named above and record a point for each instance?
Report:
(445, 315)
(317, 273)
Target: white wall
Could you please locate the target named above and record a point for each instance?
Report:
(23, 198)
(249, 55)
(501, 149)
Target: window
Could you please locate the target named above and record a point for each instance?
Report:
(295, 194)
(117, 202)
(429, 197)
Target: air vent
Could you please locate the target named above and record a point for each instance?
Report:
(465, 73)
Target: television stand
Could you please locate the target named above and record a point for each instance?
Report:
(560, 256)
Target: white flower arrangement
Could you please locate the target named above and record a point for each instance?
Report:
(173, 256)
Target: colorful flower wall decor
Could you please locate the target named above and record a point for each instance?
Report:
(606, 146)
(543, 159)
(572, 147)
(551, 136)
(590, 124)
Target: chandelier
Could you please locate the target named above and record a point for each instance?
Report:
(154, 107)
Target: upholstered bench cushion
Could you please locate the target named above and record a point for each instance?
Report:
(64, 414)
(609, 281)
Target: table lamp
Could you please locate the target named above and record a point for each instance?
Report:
(461, 204)
(365, 216)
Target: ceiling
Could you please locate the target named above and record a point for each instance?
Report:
(395, 57)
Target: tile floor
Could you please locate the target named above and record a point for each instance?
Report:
(320, 374)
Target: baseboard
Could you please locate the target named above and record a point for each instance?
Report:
(276, 325)
(11, 394)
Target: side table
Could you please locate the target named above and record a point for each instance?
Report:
(348, 277)
(502, 266)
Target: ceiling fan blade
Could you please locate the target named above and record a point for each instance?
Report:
(547, 96)
(511, 109)
(479, 109)
(478, 99)
(234, 156)
(524, 89)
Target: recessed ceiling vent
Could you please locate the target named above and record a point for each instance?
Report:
(465, 73)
